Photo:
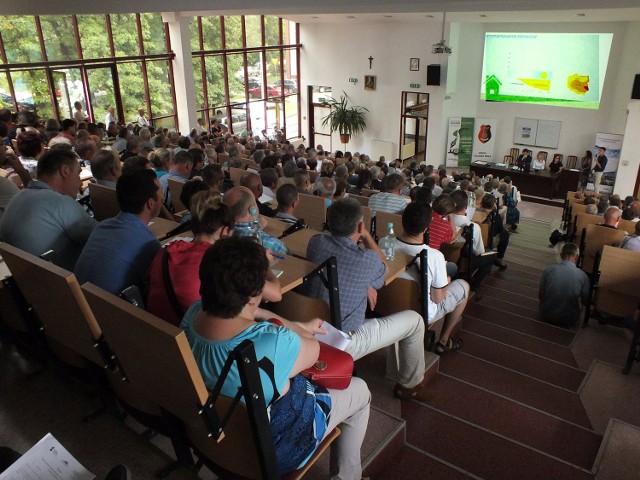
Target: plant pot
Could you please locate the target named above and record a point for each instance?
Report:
(344, 138)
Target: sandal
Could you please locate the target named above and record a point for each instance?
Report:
(452, 345)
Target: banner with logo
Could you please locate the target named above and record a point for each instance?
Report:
(612, 142)
(459, 142)
(484, 135)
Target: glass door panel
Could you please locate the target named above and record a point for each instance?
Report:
(102, 93)
(68, 87)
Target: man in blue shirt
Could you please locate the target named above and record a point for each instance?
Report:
(120, 249)
(241, 200)
(181, 167)
(361, 271)
(564, 288)
(45, 215)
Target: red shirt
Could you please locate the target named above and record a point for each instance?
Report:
(439, 231)
(184, 263)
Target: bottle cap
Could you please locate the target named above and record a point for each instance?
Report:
(390, 225)
(252, 211)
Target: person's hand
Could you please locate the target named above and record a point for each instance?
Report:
(372, 297)
(315, 327)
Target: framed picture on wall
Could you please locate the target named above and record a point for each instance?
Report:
(370, 82)
(414, 64)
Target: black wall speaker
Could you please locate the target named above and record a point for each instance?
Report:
(635, 93)
(433, 75)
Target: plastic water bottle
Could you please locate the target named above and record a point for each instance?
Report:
(388, 243)
(472, 200)
(254, 224)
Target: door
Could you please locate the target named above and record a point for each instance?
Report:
(319, 134)
(414, 126)
(68, 89)
(103, 91)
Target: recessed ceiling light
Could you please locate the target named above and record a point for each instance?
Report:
(581, 14)
(483, 15)
(429, 16)
(350, 16)
(388, 16)
(314, 17)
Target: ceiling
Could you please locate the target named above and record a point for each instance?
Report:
(355, 11)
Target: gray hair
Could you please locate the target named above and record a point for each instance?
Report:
(343, 217)
(326, 186)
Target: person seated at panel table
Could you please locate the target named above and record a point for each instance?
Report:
(524, 160)
(301, 414)
(539, 163)
(556, 165)
(446, 298)
(361, 271)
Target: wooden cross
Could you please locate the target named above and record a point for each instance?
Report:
(370, 61)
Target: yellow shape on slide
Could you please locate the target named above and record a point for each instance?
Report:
(578, 83)
(539, 83)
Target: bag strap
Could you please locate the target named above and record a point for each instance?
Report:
(168, 286)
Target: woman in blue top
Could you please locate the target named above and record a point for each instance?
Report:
(232, 276)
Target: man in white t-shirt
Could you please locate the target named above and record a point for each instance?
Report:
(446, 298)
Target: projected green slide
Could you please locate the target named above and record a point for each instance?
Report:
(559, 69)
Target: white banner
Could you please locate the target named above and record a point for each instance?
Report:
(612, 142)
(453, 142)
(484, 139)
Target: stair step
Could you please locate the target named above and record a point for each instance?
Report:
(516, 386)
(523, 362)
(531, 344)
(517, 277)
(513, 420)
(520, 301)
(410, 463)
(479, 452)
(491, 313)
(531, 267)
(520, 250)
(494, 281)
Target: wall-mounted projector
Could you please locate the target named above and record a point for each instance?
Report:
(441, 47)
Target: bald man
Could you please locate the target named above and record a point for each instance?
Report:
(254, 183)
(611, 217)
(241, 200)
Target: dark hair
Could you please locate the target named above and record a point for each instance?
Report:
(364, 178)
(569, 250)
(231, 272)
(416, 217)
(51, 161)
(269, 176)
(343, 217)
(137, 162)
(134, 188)
(197, 155)
(424, 195)
(460, 198)
(189, 188)
(123, 132)
(443, 205)
(29, 143)
(286, 195)
(488, 201)
(341, 187)
(67, 123)
(184, 142)
(208, 213)
(212, 173)
(85, 147)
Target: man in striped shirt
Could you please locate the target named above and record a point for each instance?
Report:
(391, 200)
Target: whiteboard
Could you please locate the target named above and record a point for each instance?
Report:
(538, 133)
(548, 134)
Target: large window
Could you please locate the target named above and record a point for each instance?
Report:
(122, 60)
(246, 73)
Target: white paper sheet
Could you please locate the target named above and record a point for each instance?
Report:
(334, 337)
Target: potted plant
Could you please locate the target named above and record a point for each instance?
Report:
(345, 119)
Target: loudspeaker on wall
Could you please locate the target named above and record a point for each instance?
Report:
(635, 92)
(433, 74)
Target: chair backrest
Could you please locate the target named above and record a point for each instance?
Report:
(594, 238)
(236, 174)
(314, 211)
(156, 358)
(577, 208)
(484, 232)
(364, 201)
(572, 160)
(283, 180)
(383, 219)
(514, 152)
(627, 225)
(507, 159)
(367, 192)
(581, 220)
(301, 308)
(619, 275)
(175, 189)
(222, 158)
(452, 251)
(55, 296)
(570, 194)
(104, 201)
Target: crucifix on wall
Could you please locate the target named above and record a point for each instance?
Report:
(370, 62)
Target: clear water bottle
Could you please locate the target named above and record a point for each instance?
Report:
(388, 243)
(471, 200)
(254, 224)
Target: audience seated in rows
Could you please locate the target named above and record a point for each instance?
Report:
(288, 197)
(180, 170)
(391, 199)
